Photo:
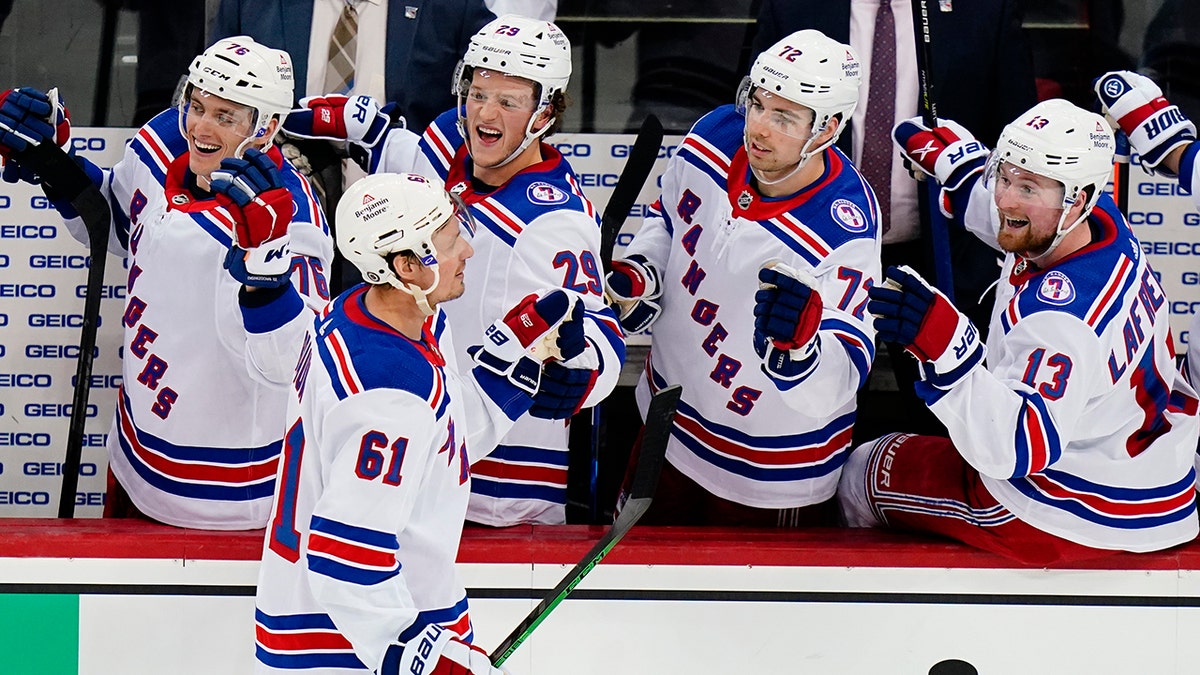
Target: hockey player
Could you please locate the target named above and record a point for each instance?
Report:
(537, 230)
(1074, 437)
(1165, 140)
(197, 432)
(754, 272)
(358, 568)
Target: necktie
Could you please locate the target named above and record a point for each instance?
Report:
(343, 45)
(881, 112)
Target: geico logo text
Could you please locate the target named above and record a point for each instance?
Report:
(574, 149)
(38, 439)
(93, 144)
(59, 262)
(24, 498)
(598, 179)
(664, 151)
(56, 351)
(56, 469)
(107, 292)
(27, 290)
(25, 380)
(89, 499)
(1184, 307)
(59, 321)
(55, 410)
(95, 440)
(28, 231)
(1190, 278)
(1171, 247)
(100, 381)
(1143, 218)
(4, 260)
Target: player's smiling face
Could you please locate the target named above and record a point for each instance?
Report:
(499, 107)
(215, 128)
(1031, 208)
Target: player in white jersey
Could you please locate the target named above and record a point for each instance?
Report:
(537, 230)
(1071, 432)
(197, 432)
(754, 271)
(1165, 139)
(358, 569)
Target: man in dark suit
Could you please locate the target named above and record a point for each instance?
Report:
(982, 76)
(425, 39)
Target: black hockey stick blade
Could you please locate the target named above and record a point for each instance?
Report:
(637, 169)
(66, 178)
(660, 415)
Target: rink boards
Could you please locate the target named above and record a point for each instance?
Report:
(94, 596)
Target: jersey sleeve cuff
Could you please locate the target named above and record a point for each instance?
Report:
(268, 309)
(1187, 168)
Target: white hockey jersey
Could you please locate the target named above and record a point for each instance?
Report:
(373, 486)
(200, 414)
(1080, 423)
(536, 232)
(737, 432)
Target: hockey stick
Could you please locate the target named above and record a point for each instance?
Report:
(637, 169)
(659, 417)
(1122, 163)
(638, 165)
(943, 273)
(62, 175)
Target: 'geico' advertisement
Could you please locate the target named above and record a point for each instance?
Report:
(43, 272)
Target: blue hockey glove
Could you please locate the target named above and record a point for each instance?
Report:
(787, 314)
(911, 313)
(28, 117)
(562, 391)
(633, 286)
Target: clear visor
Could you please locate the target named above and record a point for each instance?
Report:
(466, 222)
(1009, 182)
(196, 105)
(511, 92)
(778, 114)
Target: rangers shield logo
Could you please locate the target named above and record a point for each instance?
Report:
(545, 193)
(1056, 289)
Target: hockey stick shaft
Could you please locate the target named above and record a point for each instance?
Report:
(638, 166)
(58, 171)
(660, 416)
(929, 192)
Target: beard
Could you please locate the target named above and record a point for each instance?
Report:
(1024, 240)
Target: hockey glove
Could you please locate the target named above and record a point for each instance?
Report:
(359, 120)
(28, 117)
(437, 651)
(563, 391)
(913, 314)
(633, 286)
(947, 152)
(515, 347)
(251, 189)
(1154, 126)
(787, 314)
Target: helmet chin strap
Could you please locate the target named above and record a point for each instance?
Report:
(1059, 235)
(805, 154)
(420, 295)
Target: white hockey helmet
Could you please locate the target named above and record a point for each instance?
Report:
(811, 69)
(247, 73)
(1060, 140)
(523, 47)
(1064, 142)
(387, 213)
